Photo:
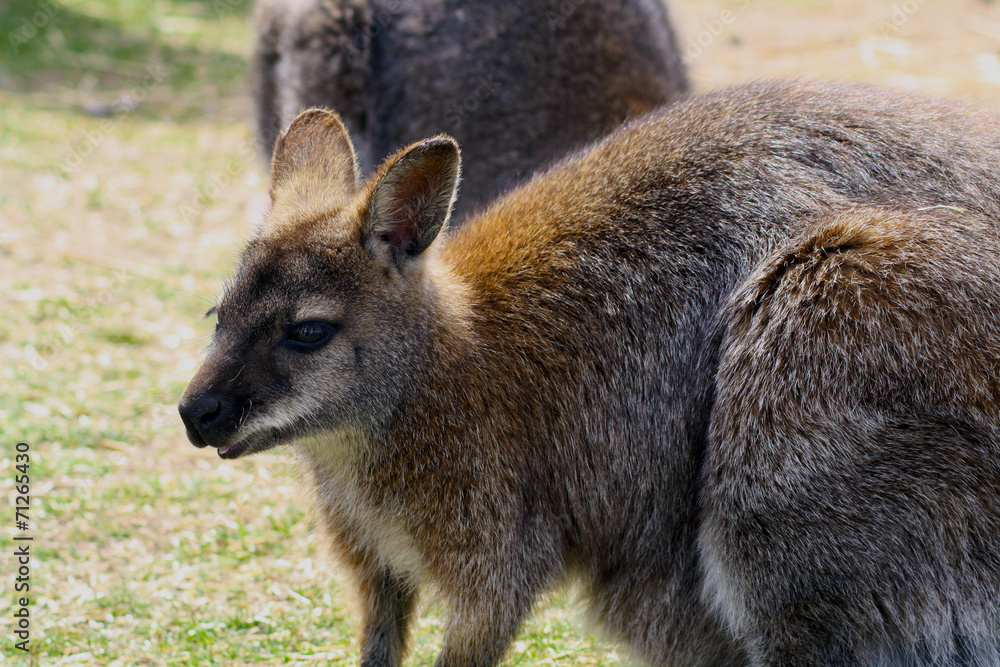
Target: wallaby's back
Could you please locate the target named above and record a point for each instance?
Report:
(868, 348)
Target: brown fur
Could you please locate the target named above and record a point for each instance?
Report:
(734, 369)
(872, 440)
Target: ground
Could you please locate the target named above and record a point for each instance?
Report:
(127, 182)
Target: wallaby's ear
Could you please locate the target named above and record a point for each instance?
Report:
(411, 200)
(316, 142)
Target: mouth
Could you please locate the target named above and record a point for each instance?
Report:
(249, 445)
(233, 451)
(195, 439)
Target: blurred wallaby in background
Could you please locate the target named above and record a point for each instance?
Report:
(518, 83)
(736, 368)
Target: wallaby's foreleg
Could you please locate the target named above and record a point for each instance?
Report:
(388, 603)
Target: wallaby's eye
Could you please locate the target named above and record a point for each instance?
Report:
(310, 335)
(214, 310)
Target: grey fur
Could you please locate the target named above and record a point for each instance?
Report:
(518, 83)
(736, 368)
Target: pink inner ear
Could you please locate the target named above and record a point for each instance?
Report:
(399, 224)
(401, 218)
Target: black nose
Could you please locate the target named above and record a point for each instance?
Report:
(202, 418)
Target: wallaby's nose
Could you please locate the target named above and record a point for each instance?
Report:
(201, 417)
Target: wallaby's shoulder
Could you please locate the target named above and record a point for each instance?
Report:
(730, 148)
(770, 107)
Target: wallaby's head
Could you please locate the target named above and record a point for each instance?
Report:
(323, 325)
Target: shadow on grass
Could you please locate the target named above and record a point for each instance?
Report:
(123, 47)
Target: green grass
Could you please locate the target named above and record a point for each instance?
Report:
(113, 46)
(123, 201)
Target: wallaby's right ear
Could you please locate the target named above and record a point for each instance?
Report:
(316, 142)
(411, 200)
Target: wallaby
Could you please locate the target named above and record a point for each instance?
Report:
(735, 368)
(518, 83)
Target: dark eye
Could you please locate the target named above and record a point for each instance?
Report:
(214, 310)
(309, 335)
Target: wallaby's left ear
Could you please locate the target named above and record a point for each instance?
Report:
(411, 200)
(316, 143)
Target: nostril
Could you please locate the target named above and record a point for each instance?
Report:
(205, 417)
(211, 410)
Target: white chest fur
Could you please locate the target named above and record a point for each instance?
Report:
(331, 461)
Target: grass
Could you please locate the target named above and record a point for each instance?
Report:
(125, 192)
